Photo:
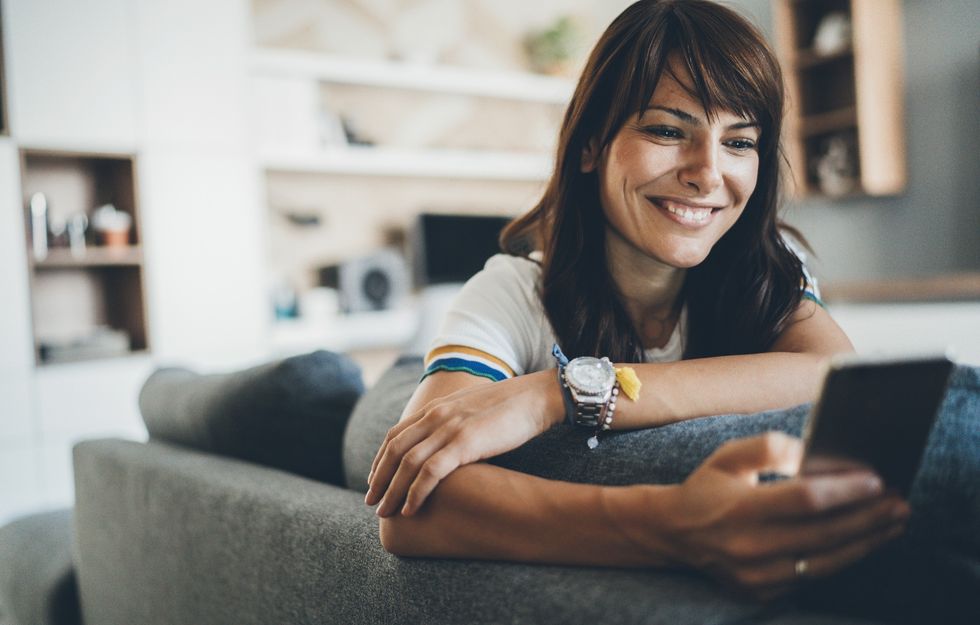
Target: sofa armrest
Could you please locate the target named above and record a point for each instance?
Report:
(170, 535)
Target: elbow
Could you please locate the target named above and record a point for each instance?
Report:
(396, 537)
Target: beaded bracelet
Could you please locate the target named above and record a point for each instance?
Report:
(606, 417)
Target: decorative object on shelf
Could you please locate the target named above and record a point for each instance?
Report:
(353, 134)
(833, 33)
(101, 342)
(112, 225)
(285, 303)
(836, 166)
(77, 226)
(39, 225)
(378, 281)
(319, 303)
(551, 50)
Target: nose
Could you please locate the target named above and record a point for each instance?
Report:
(700, 171)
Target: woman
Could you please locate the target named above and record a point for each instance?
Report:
(656, 244)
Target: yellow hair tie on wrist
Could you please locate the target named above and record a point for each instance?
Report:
(628, 382)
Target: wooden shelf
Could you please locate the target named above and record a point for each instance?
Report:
(393, 162)
(75, 299)
(841, 119)
(98, 256)
(945, 288)
(521, 86)
(808, 58)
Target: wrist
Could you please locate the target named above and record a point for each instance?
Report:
(641, 515)
(554, 395)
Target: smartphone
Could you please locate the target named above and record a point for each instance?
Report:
(876, 413)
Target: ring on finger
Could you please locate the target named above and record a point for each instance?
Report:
(801, 566)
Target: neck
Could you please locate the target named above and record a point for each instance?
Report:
(648, 287)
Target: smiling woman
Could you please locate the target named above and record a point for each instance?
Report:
(656, 246)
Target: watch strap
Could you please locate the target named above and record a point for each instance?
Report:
(566, 394)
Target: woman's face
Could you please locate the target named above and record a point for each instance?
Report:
(673, 181)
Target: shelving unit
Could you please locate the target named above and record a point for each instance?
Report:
(88, 302)
(380, 161)
(415, 76)
(845, 132)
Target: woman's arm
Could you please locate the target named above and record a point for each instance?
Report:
(720, 521)
(455, 418)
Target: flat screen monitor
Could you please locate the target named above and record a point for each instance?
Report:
(451, 248)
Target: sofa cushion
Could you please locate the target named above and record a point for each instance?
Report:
(288, 414)
(37, 579)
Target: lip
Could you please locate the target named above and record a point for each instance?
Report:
(660, 203)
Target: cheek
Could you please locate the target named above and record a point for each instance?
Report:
(744, 176)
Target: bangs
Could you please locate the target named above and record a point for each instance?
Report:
(727, 60)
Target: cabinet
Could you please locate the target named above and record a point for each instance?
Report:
(86, 282)
(845, 129)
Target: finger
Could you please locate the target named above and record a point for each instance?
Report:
(777, 572)
(772, 451)
(437, 467)
(822, 532)
(408, 469)
(395, 450)
(394, 431)
(806, 497)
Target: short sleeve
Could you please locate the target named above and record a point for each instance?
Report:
(809, 286)
(494, 323)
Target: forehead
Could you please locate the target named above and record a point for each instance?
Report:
(675, 89)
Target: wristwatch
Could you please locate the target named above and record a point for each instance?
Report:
(590, 383)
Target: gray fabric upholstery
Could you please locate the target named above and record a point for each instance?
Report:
(169, 535)
(37, 579)
(289, 414)
(377, 410)
(655, 456)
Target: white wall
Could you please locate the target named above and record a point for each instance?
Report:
(165, 80)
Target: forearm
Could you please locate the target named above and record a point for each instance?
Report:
(486, 512)
(723, 385)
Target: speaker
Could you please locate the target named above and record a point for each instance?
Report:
(375, 282)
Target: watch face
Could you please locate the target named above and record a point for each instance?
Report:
(590, 375)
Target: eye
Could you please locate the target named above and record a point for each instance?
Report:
(741, 145)
(664, 132)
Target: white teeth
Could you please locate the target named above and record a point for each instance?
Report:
(690, 214)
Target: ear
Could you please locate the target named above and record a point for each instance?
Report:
(590, 157)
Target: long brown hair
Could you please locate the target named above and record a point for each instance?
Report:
(740, 298)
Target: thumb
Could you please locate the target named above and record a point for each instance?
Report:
(747, 457)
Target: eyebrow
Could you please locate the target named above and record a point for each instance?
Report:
(695, 121)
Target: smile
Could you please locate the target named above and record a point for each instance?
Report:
(685, 214)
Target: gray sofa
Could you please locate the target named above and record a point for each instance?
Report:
(231, 514)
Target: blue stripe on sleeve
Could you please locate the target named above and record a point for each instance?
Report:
(469, 366)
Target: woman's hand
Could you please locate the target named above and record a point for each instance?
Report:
(463, 427)
(754, 536)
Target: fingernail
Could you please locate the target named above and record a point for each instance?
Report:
(873, 485)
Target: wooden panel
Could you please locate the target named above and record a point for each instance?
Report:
(879, 76)
(786, 46)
